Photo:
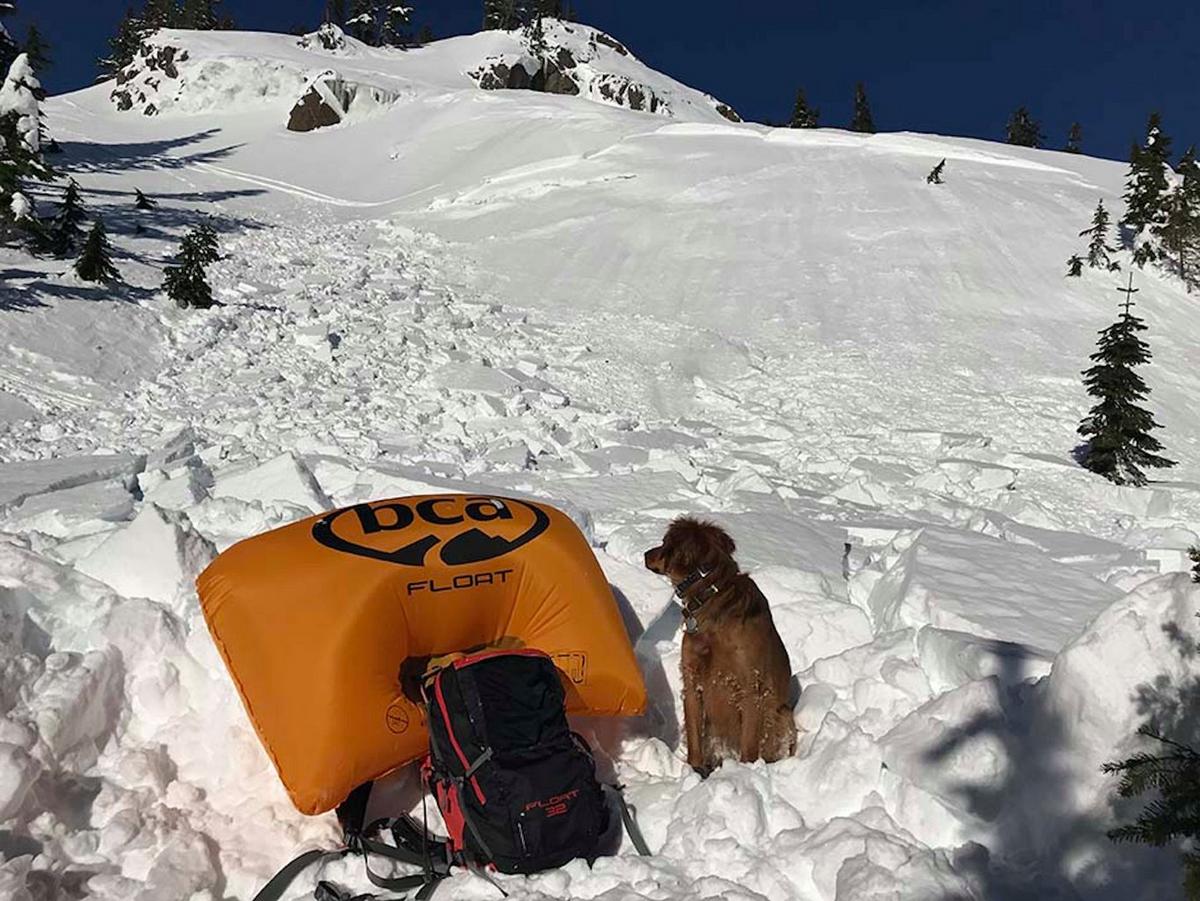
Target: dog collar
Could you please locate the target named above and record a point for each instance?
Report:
(691, 606)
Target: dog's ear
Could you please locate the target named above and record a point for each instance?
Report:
(724, 541)
(692, 542)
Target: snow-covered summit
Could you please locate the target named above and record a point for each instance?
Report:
(211, 71)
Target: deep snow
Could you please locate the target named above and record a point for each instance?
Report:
(872, 382)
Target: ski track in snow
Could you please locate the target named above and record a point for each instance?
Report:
(968, 612)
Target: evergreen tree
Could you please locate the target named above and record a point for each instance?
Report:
(935, 174)
(8, 47)
(142, 202)
(1098, 249)
(1119, 444)
(1146, 188)
(207, 247)
(1075, 139)
(363, 24)
(201, 15)
(123, 46)
(186, 282)
(803, 115)
(163, 14)
(95, 263)
(426, 36)
(1074, 266)
(67, 225)
(19, 106)
(1174, 815)
(535, 33)
(1179, 231)
(397, 20)
(37, 50)
(552, 9)
(1022, 129)
(1194, 553)
(504, 15)
(335, 12)
(862, 121)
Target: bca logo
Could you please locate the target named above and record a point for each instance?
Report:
(462, 529)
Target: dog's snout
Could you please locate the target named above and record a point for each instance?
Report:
(654, 560)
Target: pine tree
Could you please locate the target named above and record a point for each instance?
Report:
(1023, 130)
(142, 202)
(1174, 815)
(335, 12)
(1098, 249)
(504, 15)
(158, 14)
(66, 228)
(1146, 188)
(551, 9)
(201, 15)
(8, 47)
(862, 121)
(1075, 139)
(37, 50)
(1120, 445)
(363, 24)
(535, 33)
(397, 20)
(1178, 233)
(1194, 553)
(208, 248)
(186, 282)
(1074, 266)
(95, 263)
(426, 36)
(935, 175)
(123, 46)
(19, 105)
(803, 115)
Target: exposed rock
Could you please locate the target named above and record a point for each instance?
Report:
(329, 98)
(624, 92)
(600, 37)
(150, 58)
(553, 80)
(728, 112)
(327, 37)
(496, 75)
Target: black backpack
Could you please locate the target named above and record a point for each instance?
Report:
(516, 787)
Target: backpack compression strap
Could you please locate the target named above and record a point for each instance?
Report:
(412, 846)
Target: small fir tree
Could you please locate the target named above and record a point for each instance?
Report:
(1178, 233)
(426, 35)
(1120, 445)
(1075, 139)
(1074, 266)
(1023, 130)
(67, 226)
(1098, 249)
(186, 282)
(363, 24)
(201, 15)
(803, 115)
(95, 262)
(397, 23)
(535, 34)
(1145, 190)
(163, 14)
(335, 12)
(142, 202)
(1173, 817)
(123, 46)
(862, 121)
(37, 50)
(19, 105)
(1194, 553)
(208, 247)
(8, 47)
(935, 174)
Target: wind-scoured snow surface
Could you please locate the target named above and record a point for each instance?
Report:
(872, 382)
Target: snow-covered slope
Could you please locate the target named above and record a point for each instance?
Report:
(871, 381)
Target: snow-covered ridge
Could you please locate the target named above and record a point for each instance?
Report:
(194, 72)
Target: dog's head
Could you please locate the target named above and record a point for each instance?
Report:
(690, 545)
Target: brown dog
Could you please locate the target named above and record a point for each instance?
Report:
(736, 674)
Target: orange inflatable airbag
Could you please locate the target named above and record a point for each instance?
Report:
(316, 619)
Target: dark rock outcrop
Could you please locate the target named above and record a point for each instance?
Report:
(728, 112)
(624, 92)
(160, 60)
(312, 111)
(328, 37)
(329, 98)
(551, 76)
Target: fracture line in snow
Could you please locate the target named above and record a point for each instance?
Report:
(296, 190)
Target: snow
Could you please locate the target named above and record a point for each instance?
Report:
(17, 97)
(871, 382)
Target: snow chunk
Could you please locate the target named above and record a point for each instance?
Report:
(284, 478)
(77, 698)
(18, 772)
(21, 480)
(72, 512)
(157, 556)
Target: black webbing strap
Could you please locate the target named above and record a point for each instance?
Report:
(631, 826)
(360, 840)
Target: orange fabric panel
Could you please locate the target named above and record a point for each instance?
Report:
(316, 619)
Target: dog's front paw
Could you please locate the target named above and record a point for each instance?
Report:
(703, 770)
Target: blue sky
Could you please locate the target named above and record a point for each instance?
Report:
(946, 66)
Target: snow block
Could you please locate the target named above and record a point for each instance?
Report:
(18, 772)
(157, 556)
(284, 478)
(71, 512)
(21, 480)
(967, 582)
(77, 698)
